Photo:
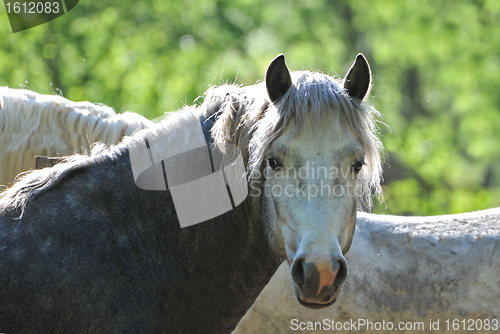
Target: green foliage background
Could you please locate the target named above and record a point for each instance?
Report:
(436, 68)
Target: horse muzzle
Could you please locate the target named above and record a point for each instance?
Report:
(317, 279)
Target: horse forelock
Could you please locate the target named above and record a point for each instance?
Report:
(246, 117)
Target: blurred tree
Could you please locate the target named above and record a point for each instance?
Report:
(436, 72)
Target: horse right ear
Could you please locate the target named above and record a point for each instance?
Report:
(278, 79)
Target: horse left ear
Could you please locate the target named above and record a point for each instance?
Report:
(278, 79)
(358, 79)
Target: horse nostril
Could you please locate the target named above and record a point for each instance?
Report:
(341, 273)
(298, 272)
(323, 271)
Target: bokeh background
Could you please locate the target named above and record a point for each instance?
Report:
(435, 63)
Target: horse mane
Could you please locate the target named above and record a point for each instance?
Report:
(246, 117)
(30, 184)
(33, 124)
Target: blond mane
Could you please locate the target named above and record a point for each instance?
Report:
(33, 124)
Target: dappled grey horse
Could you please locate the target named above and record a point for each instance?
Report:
(87, 247)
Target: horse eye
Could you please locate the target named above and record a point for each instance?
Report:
(358, 165)
(273, 163)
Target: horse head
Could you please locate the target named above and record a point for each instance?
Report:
(321, 159)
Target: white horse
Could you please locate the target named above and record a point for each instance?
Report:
(415, 274)
(33, 124)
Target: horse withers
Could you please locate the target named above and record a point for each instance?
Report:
(83, 249)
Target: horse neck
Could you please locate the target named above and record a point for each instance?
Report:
(219, 266)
